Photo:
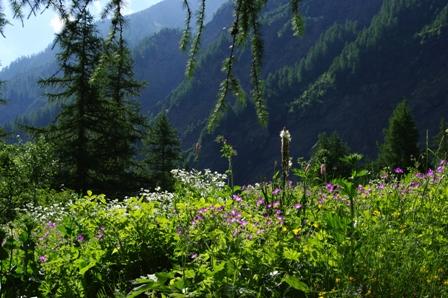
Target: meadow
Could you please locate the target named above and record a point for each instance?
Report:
(384, 237)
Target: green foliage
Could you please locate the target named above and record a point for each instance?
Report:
(228, 153)
(400, 147)
(162, 152)
(26, 173)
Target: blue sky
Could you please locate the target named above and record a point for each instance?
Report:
(38, 31)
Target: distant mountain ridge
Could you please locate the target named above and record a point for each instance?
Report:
(22, 75)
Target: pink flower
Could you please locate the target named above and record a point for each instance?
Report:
(260, 201)
(398, 170)
(276, 191)
(43, 259)
(276, 204)
(298, 206)
(237, 198)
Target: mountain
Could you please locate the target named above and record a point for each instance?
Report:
(24, 95)
(354, 63)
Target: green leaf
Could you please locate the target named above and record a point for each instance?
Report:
(295, 283)
(86, 268)
(291, 254)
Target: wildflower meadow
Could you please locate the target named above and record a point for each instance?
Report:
(384, 238)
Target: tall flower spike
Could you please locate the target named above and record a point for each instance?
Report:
(285, 138)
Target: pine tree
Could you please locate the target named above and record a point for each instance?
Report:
(400, 147)
(115, 79)
(74, 133)
(162, 152)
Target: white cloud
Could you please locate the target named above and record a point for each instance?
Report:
(57, 24)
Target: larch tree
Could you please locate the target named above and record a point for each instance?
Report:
(75, 130)
(114, 78)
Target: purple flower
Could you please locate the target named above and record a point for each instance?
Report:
(260, 201)
(276, 204)
(398, 170)
(276, 191)
(440, 169)
(43, 259)
(51, 224)
(298, 206)
(235, 213)
(330, 187)
(237, 198)
(414, 184)
(381, 186)
(80, 238)
(194, 256)
(420, 175)
(430, 173)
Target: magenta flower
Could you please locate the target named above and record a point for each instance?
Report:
(330, 187)
(43, 259)
(398, 170)
(276, 191)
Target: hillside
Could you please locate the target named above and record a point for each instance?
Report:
(346, 74)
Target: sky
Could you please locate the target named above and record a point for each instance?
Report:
(38, 31)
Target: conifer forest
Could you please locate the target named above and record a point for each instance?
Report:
(226, 148)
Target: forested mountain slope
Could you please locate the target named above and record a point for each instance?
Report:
(349, 82)
(354, 63)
